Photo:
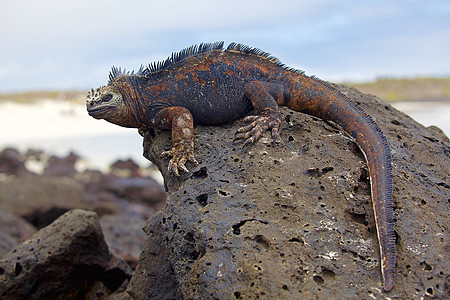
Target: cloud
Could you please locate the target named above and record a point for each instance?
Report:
(54, 44)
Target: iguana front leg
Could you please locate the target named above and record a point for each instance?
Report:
(265, 98)
(180, 121)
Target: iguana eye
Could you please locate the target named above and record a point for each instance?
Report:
(107, 97)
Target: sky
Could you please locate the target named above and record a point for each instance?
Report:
(60, 45)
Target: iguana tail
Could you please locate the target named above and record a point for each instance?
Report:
(321, 99)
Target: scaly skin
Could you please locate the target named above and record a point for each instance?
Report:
(208, 85)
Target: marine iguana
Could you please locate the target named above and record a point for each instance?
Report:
(207, 84)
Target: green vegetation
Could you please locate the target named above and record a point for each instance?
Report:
(416, 89)
(28, 97)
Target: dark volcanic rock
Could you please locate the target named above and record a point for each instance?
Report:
(155, 277)
(12, 163)
(294, 220)
(128, 166)
(124, 235)
(66, 259)
(41, 199)
(65, 166)
(13, 230)
(138, 190)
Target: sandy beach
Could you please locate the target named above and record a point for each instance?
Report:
(59, 127)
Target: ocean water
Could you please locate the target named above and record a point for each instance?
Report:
(428, 113)
(61, 127)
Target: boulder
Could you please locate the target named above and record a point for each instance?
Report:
(154, 276)
(294, 220)
(124, 235)
(65, 166)
(12, 163)
(144, 190)
(13, 230)
(126, 167)
(41, 199)
(65, 260)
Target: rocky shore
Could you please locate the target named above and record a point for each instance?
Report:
(96, 232)
(292, 220)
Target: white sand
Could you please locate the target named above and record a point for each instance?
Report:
(59, 127)
(50, 119)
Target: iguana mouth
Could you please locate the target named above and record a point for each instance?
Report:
(99, 112)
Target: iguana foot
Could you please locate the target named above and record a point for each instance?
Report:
(258, 125)
(181, 152)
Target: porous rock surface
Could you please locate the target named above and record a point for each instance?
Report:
(294, 220)
(68, 259)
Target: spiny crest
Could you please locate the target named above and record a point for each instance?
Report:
(117, 71)
(176, 57)
(144, 73)
(241, 48)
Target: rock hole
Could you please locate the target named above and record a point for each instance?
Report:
(318, 279)
(201, 173)
(285, 287)
(257, 267)
(17, 269)
(260, 239)
(290, 138)
(327, 273)
(326, 170)
(189, 237)
(313, 172)
(426, 266)
(237, 228)
(223, 193)
(237, 295)
(202, 199)
(2, 271)
(397, 238)
(431, 139)
(430, 291)
(297, 240)
(194, 255)
(396, 122)
(443, 184)
(423, 202)
(359, 218)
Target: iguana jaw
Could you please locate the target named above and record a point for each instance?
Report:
(103, 102)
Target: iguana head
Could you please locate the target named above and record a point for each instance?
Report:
(106, 103)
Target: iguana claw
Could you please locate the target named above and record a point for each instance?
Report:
(258, 125)
(181, 153)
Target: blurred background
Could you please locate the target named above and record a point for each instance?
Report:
(52, 52)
